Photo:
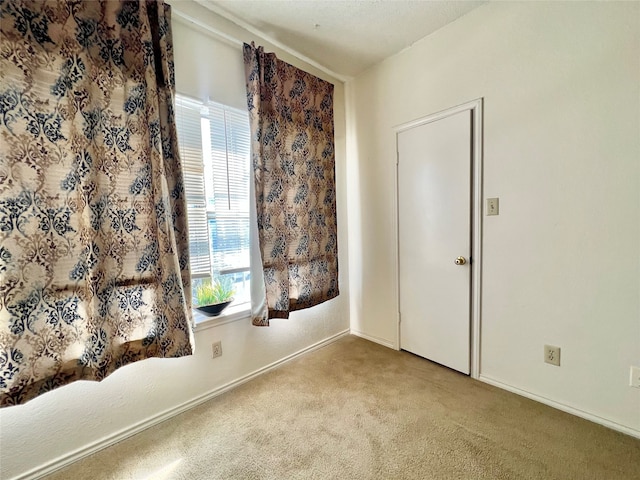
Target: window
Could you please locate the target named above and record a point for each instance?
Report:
(215, 152)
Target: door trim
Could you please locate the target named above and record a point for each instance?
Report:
(475, 107)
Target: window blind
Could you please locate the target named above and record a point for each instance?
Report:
(230, 167)
(188, 123)
(216, 142)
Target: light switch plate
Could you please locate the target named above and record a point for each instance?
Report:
(493, 206)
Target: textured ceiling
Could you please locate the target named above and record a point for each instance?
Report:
(345, 36)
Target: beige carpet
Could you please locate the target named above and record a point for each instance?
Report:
(356, 410)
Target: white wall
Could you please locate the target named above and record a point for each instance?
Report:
(73, 418)
(561, 89)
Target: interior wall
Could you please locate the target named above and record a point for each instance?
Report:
(561, 89)
(79, 416)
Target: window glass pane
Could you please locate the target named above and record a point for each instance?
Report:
(230, 240)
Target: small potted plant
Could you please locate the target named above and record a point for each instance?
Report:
(213, 298)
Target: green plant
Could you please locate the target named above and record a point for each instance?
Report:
(221, 290)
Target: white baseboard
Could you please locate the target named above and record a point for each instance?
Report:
(565, 408)
(373, 339)
(107, 441)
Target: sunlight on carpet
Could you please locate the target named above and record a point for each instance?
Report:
(164, 473)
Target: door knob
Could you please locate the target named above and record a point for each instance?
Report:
(460, 261)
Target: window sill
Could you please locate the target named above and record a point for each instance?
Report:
(231, 314)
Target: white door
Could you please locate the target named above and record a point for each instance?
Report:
(434, 221)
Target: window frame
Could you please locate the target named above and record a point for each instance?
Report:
(242, 310)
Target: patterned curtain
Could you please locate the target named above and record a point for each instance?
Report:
(291, 115)
(94, 270)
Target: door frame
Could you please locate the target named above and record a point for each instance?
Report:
(476, 207)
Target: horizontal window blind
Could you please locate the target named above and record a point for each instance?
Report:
(188, 123)
(229, 133)
(215, 148)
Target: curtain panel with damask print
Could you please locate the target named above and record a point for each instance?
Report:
(291, 116)
(94, 262)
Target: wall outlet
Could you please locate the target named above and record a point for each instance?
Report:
(493, 206)
(634, 377)
(216, 349)
(552, 355)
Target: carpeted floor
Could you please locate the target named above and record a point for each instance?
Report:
(357, 410)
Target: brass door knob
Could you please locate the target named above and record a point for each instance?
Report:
(460, 261)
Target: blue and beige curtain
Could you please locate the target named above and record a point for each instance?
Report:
(291, 116)
(94, 266)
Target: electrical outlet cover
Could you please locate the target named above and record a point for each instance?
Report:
(216, 349)
(552, 355)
